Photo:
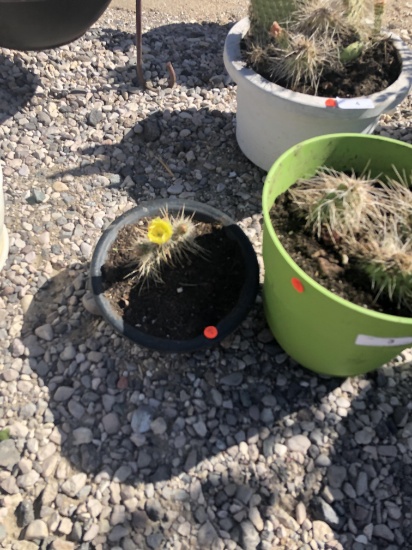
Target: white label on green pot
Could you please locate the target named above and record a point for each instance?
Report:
(365, 340)
(355, 103)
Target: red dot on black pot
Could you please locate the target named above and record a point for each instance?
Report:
(210, 333)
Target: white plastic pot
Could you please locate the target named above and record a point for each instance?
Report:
(4, 237)
(271, 119)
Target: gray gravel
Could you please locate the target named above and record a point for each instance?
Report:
(115, 447)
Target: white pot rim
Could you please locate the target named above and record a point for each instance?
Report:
(238, 71)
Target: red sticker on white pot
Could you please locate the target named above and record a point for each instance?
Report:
(350, 103)
(330, 102)
(375, 341)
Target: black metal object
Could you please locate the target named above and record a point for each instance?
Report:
(45, 24)
(139, 60)
(201, 212)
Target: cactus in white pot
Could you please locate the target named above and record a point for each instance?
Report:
(296, 41)
(293, 63)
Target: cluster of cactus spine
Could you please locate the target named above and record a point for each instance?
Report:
(388, 264)
(368, 220)
(163, 240)
(308, 36)
(337, 202)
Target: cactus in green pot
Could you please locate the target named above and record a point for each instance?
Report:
(366, 220)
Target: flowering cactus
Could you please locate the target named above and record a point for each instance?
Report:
(159, 231)
(165, 240)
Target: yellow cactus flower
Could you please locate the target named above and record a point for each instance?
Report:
(159, 231)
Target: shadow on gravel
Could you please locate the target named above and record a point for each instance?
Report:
(369, 482)
(189, 153)
(160, 423)
(86, 356)
(402, 132)
(195, 406)
(194, 49)
(17, 86)
(182, 150)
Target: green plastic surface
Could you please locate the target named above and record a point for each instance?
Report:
(315, 327)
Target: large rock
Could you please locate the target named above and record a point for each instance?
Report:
(28, 480)
(9, 486)
(250, 537)
(206, 535)
(82, 435)
(298, 443)
(336, 476)
(141, 419)
(72, 486)
(321, 531)
(323, 511)
(50, 492)
(382, 531)
(37, 529)
(9, 455)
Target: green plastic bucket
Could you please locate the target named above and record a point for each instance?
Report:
(325, 333)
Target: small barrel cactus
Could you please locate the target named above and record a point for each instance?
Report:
(164, 240)
(388, 264)
(367, 220)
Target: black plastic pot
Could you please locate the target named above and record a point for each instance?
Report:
(203, 213)
(44, 24)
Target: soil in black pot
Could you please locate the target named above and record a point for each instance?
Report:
(375, 70)
(323, 263)
(196, 293)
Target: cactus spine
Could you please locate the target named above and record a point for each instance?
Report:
(379, 9)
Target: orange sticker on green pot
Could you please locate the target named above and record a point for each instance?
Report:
(297, 284)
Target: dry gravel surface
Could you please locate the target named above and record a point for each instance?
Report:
(115, 447)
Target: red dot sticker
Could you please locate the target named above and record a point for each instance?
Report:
(297, 285)
(210, 333)
(330, 102)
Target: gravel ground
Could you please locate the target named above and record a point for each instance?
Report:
(115, 447)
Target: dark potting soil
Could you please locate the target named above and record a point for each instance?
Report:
(196, 293)
(323, 263)
(377, 68)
